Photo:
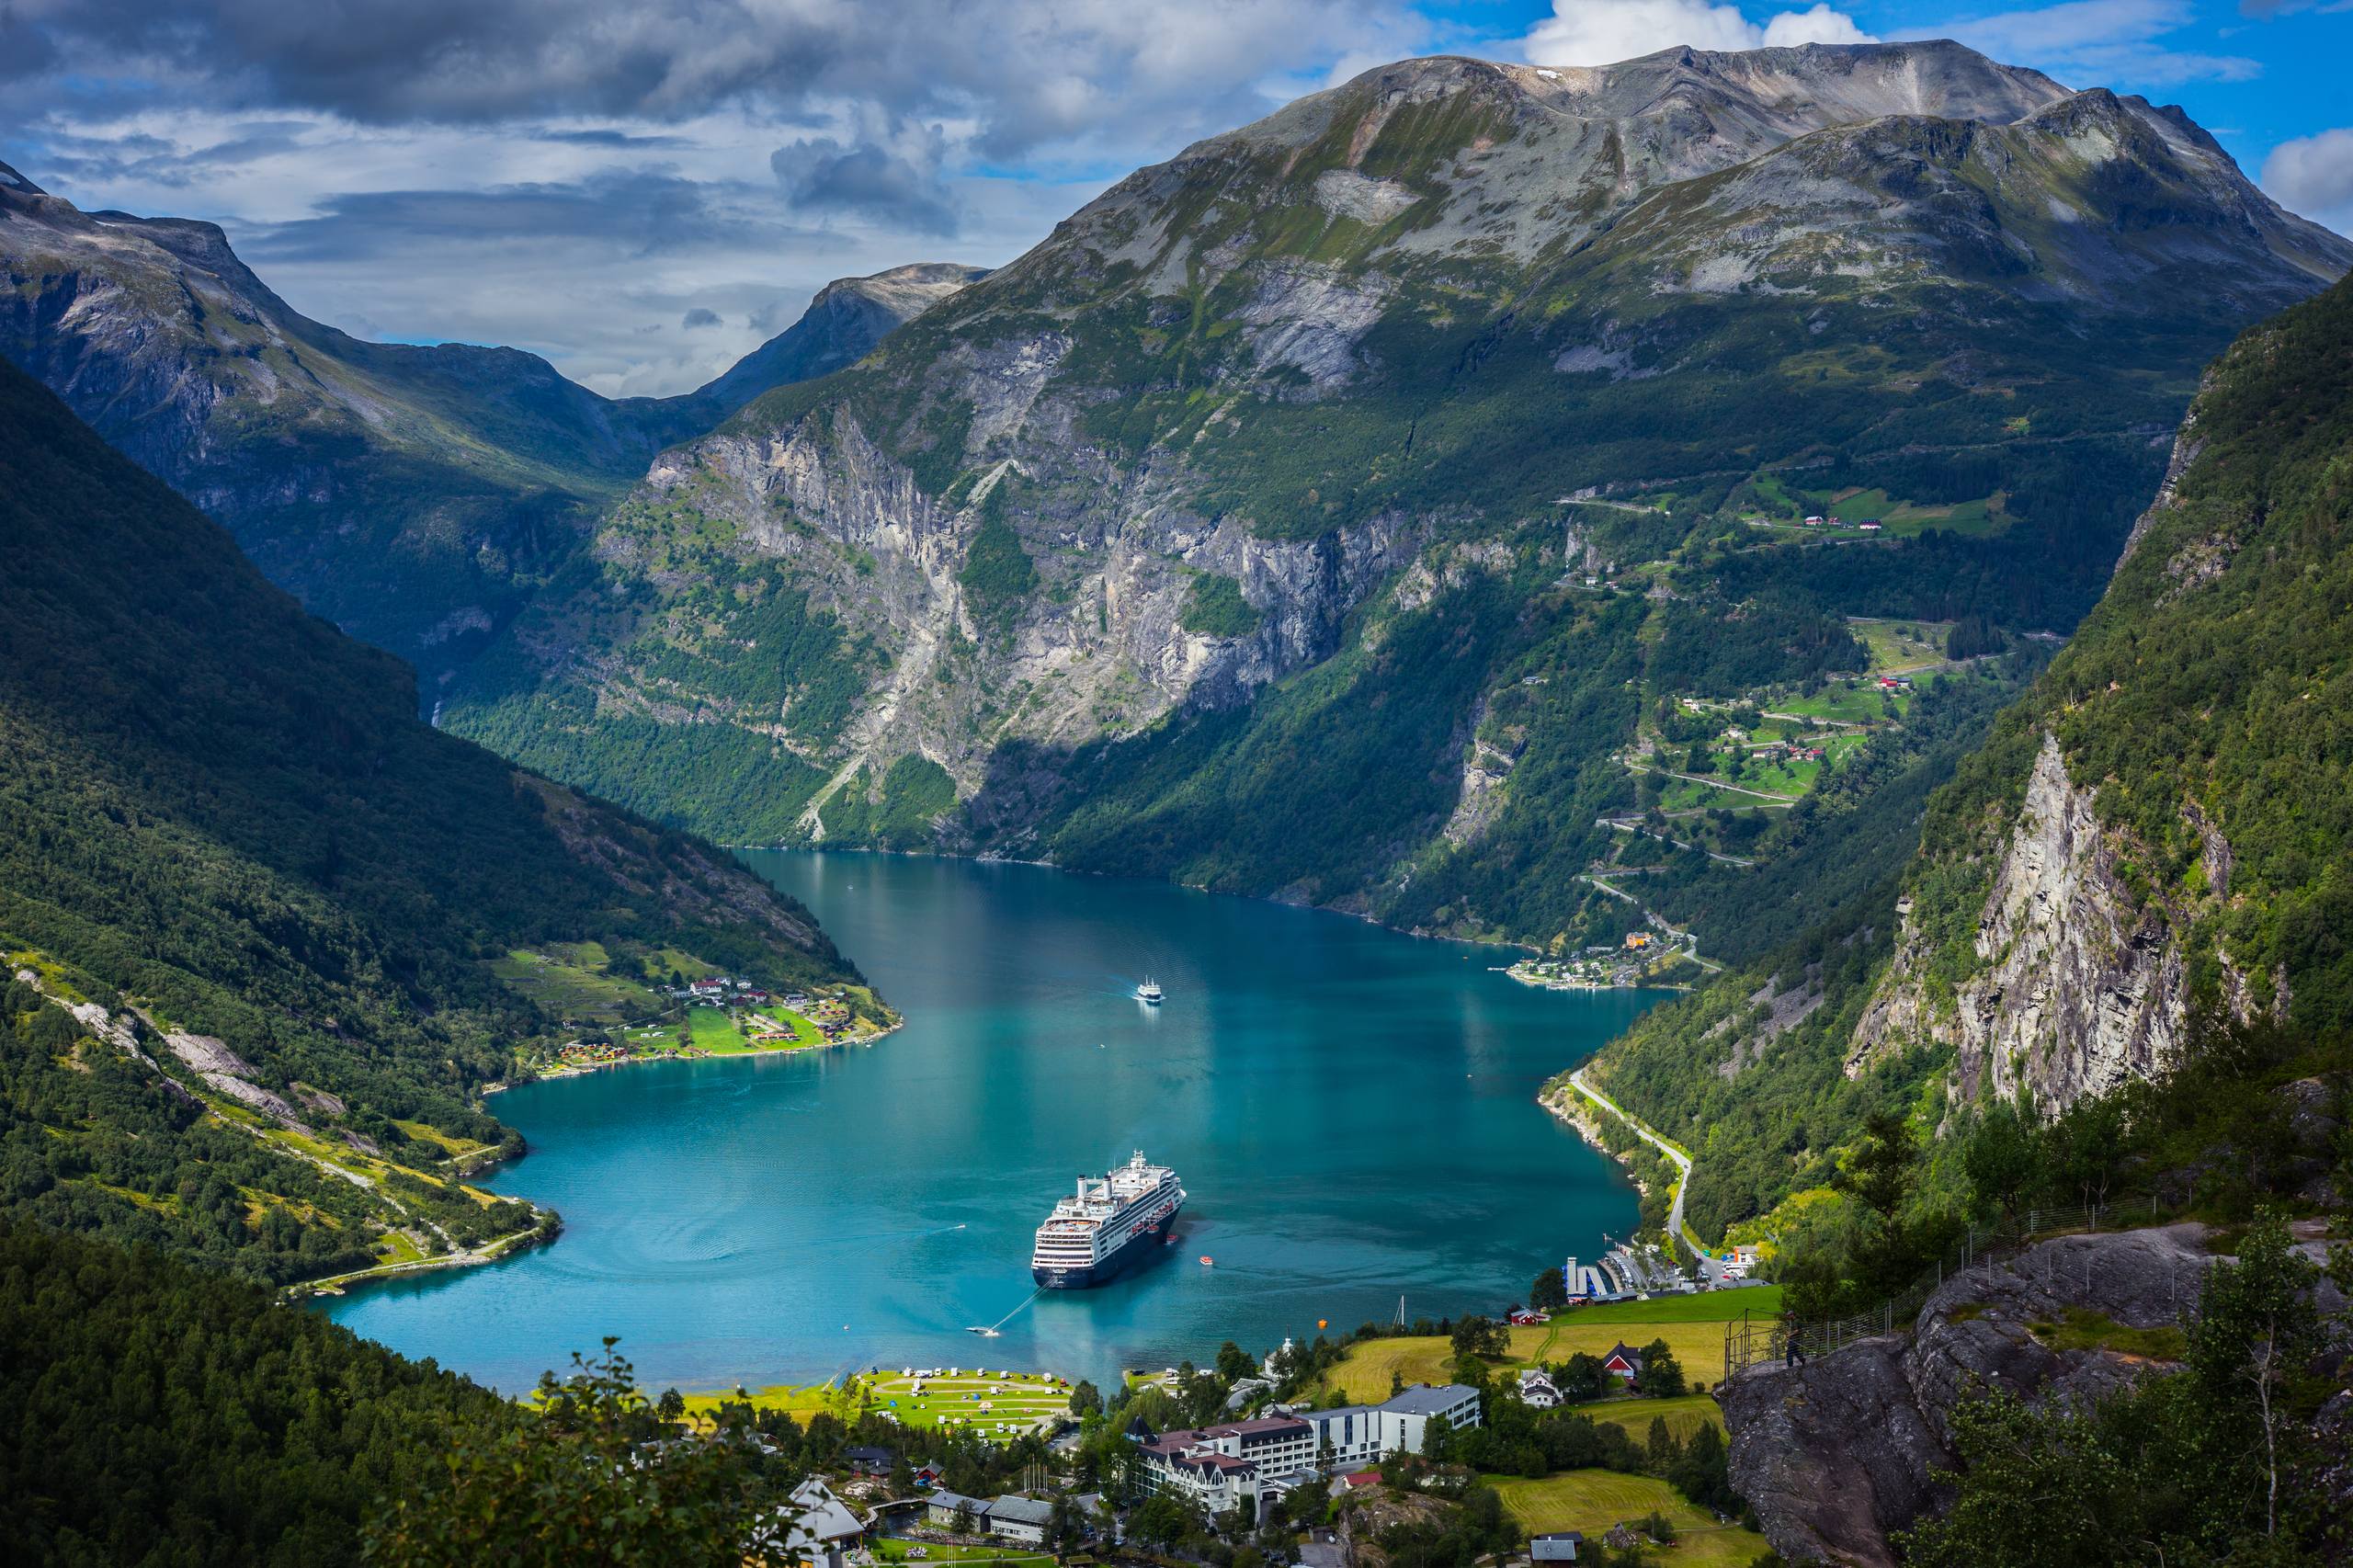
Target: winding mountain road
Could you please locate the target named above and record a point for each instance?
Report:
(1674, 1222)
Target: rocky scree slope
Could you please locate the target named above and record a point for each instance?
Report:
(413, 495)
(262, 888)
(1206, 539)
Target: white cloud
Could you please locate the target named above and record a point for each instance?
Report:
(1602, 32)
(2313, 176)
(1817, 23)
(2098, 43)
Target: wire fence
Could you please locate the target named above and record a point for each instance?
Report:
(1751, 1340)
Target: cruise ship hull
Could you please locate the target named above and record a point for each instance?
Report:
(1139, 1248)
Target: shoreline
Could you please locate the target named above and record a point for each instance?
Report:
(1577, 1104)
(993, 858)
(540, 1234)
(582, 1070)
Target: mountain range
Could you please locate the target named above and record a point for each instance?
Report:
(1381, 506)
(1319, 513)
(414, 494)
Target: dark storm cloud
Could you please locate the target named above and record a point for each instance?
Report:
(640, 214)
(617, 139)
(892, 179)
(698, 317)
(1021, 73)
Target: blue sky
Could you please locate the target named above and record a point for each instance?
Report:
(644, 189)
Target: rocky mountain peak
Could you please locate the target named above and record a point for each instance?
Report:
(843, 323)
(11, 180)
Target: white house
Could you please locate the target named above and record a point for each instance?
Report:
(939, 1511)
(815, 1525)
(1220, 1466)
(1536, 1390)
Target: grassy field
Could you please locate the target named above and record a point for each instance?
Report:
(1594, 1500)
(890, 1548)
(395, 1248)
(1714, 1306)
(803, 1032)
(1980, 517)
(575, 981)
(800, 1400)
(1899, 645)
(999, 1408)
(968, 1399)
(714, 1031)
(1857, 704)
(1683, 795)
(1691, 1325)
(1684, 1415)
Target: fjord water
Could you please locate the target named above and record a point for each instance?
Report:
(1353, 1113)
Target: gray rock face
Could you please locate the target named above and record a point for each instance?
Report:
(2084, 985)
(207, 1054)
(1838, 1454)
(1833, 1456)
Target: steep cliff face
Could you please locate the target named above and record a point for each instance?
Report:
(1143, 519)
(2119, 865)
(2081, 978)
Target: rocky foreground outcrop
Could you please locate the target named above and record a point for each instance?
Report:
(1838, 1454)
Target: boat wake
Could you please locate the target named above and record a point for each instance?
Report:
(994, 1331)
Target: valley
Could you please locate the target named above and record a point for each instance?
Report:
(1717, 678)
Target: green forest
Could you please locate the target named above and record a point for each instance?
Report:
(223, 813)
(2206, 689)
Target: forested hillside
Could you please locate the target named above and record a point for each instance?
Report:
(159, 1414)
(2151, 853)
(250, 901)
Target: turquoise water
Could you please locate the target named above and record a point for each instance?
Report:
(1351, 1110)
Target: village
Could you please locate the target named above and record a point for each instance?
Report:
(1648, 957)
(1579, 1411)
(715, 1014)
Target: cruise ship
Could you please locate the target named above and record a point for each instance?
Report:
(1114, 1222)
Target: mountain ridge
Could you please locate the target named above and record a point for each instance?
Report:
(415, 493)
(1423, 353)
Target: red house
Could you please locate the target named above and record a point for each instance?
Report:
(1623, 1360)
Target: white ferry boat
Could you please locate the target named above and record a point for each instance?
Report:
(1149, 990)
(1113, 1223)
